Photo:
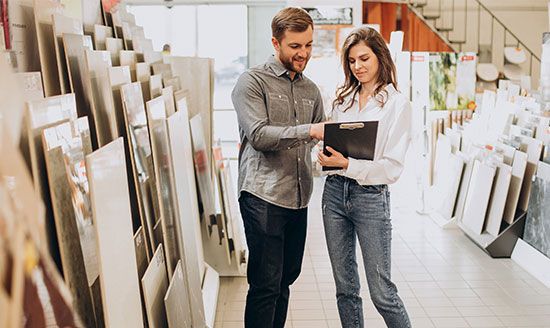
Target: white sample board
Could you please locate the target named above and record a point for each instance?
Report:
(114, 46)
(168, 96)
(155, 85)
(119, 76)
(187, 206)
(155, 284)
(498, 199)
(101, 33)
(533, 148)
(176, 301)
(63, 24)
(449, 187)
(143, 75)
(138, 141)
(197, 76)
(403, 72)
(518, 172)
(65, 146)
(102, 105)
(30, 84)
(479, 191)
(128, 58)
(420, 79)
(75, 46)
(464, 185)
(203, 170)
(43, 11)
(106, 169)
(164, 175)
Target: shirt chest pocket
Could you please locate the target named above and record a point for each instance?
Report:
(278, 109)
(307, 110)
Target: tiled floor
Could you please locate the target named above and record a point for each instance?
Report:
(443, 278)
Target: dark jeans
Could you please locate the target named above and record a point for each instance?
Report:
(354, 212)
(276, 238)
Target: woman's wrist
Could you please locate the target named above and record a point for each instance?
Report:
(345, 163)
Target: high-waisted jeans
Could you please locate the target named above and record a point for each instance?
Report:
(350, 212)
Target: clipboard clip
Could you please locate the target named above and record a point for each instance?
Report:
(351, 126)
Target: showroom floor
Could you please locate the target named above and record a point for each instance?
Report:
(443, 278)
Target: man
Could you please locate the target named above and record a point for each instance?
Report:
(279, 111)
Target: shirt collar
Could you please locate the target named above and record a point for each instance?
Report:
(278, 68)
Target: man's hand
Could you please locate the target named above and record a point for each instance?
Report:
(335, 159)
(317, 131)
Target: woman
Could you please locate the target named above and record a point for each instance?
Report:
(356, 200)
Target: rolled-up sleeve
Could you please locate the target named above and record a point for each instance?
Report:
(249, 102)
(389, 167)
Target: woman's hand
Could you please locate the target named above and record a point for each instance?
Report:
(335, 159)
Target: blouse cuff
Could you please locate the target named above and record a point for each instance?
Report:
(355, 168)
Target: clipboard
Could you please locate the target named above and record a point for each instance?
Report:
(352, 139)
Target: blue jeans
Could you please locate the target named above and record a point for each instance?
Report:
(351, 210)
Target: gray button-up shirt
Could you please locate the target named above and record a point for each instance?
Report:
(275, 114)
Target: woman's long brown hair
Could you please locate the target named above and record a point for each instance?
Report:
(386, 67)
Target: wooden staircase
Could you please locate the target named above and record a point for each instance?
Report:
(449, 25)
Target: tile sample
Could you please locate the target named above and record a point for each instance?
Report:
(119, 76)
(203, 171)
(143, 75)
(142, 261)
(533, 148)
(168, 96)
(155, 86)
(138, 140)
(164, 176)
(41, 114)
(65, 146)
(102, 104)
(196, 75)
(155, 284)
(75, 47)
(176, 301)
(498, 199)
(518, 172)
(187, 206)
(479, 191)
(63, 24)
(43, 11)
(106, 170)
(101, 33)
(114, 46)
(31, 85)
(174, 82)
(128, 58)
(537, 224)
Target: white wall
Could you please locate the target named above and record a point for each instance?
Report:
(357, 6)
(259, 33)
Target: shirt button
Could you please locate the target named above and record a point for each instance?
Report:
(288, 148)
(299, 159)
(295, 102)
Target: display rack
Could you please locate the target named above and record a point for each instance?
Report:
(502, 245)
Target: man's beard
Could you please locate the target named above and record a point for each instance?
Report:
(287, 63)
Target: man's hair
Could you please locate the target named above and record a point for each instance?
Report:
(292, 19)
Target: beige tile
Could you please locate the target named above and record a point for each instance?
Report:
(451, 322)
(309, 323)
(484, 322)
(308, 314)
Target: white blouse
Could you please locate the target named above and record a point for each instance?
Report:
(392, 141)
